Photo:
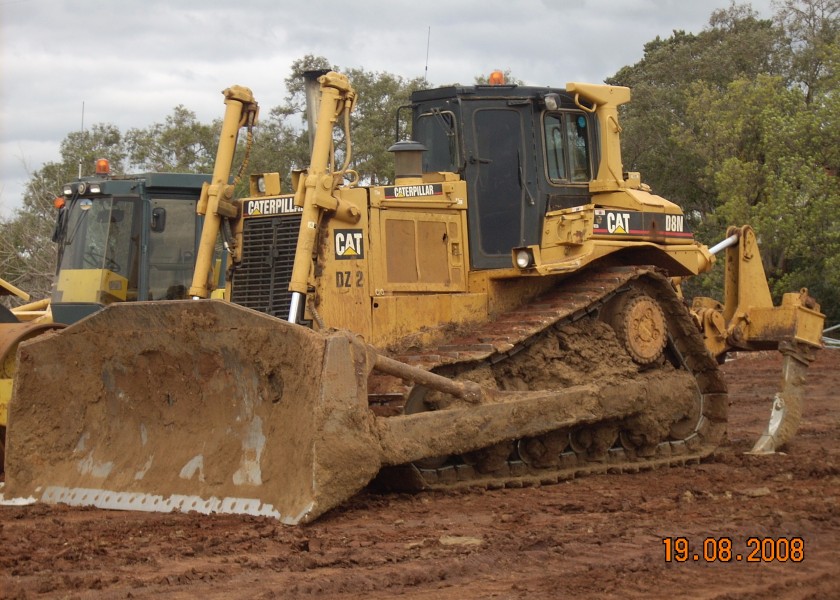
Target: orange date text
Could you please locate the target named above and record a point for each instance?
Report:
(724, 549)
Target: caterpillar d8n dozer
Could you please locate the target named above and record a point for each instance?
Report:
(506, 313)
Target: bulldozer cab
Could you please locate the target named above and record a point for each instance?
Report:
(124, 239)
(523, 151)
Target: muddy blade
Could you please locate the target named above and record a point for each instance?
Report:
(202, 406)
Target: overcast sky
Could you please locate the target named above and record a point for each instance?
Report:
(129, 62)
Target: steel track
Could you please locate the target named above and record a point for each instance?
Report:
(500, 339)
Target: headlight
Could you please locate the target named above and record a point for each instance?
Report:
(94, 188)
(524, 259)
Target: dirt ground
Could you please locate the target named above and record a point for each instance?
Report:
(595, 537)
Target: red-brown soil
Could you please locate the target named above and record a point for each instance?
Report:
(593, 537)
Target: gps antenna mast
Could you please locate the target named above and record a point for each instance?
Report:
(82, 139)
(426, 74)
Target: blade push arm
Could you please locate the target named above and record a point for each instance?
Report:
(315, 191)
(216, 198)
(747, 319)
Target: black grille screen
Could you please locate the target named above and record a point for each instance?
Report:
(262, 280)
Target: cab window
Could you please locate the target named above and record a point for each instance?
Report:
(99, 235)
(567, 152)
(172, 242)
(436, 131)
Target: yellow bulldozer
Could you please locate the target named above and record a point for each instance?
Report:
(507, 312)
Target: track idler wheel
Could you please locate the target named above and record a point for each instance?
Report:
(639, 325)
(490, 459)
(637, 443)
(543, 451)
(594, 441)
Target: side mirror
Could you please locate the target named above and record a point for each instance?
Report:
(158, 219)
(60, 225)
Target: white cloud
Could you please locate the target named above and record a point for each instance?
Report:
(130, 62)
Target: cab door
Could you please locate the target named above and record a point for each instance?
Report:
(173, 239)
(504, 212)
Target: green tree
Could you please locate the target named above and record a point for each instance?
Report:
(373, 124)
(765, 156)
(181, 144)
(102, 140)
(812, 33)
(281, 139)
(375, 128)
(27, 255)
(280, 146)
(295, 102)
(736, 44)
(737, 124)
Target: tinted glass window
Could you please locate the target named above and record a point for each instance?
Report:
(100, 235)
(436, 131)
(172, 249)
(567, 152)
(555, 155)
(578, 145)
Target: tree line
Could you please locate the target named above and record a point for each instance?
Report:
(737, 124)
(740, 124)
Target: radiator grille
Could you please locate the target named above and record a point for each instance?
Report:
(262, 280)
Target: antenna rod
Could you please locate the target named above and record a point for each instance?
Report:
(82, 139)
(428, 39)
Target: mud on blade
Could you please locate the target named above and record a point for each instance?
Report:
(186, 405)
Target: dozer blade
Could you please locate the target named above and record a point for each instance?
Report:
(210, 407)
(11, 335)
(188, 405)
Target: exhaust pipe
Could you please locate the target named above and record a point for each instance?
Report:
(312, 92)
